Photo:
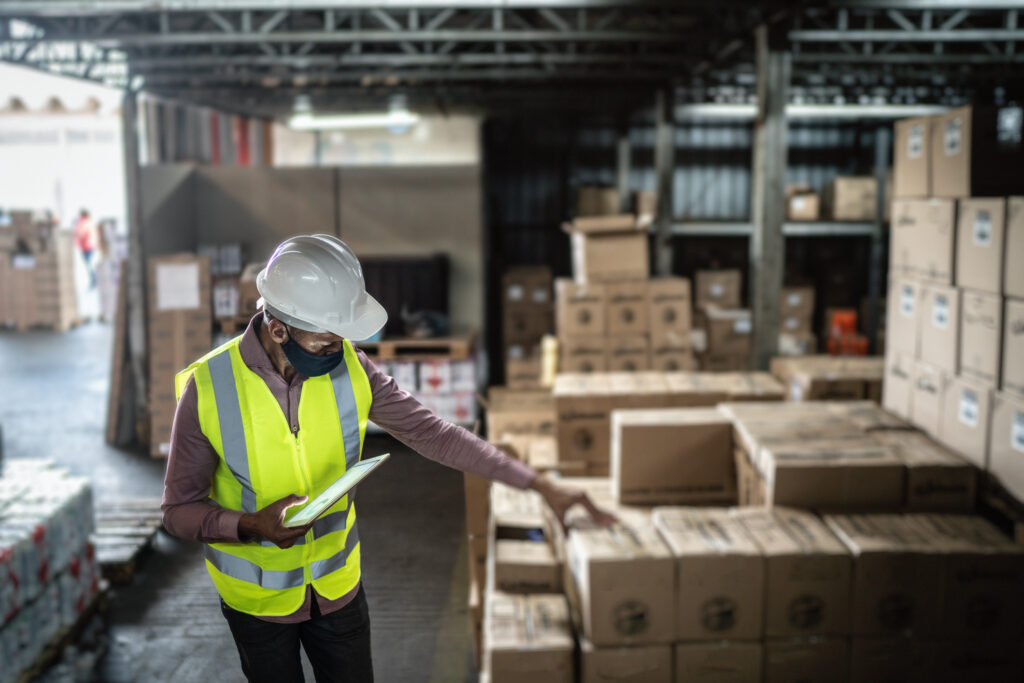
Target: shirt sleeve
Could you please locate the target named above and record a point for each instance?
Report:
(188, 512)
(401, 415)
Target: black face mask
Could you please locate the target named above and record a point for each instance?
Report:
(310, 364)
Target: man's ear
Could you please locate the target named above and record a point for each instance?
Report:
(278, 331)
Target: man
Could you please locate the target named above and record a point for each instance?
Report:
(269, 420)
(85, 240)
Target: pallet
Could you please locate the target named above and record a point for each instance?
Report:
(124, 532)
(51, 654)
(999, 506)
(450, 348)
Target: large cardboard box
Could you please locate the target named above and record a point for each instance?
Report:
(646, 664)
(895, 575)
(628, 352)
(719, 574)
(939, 333)
(938, 480)
(526, 567)
(982, 573)
(797, 309)
(1013, 347)
(910, 158)
(1006, 445)
(973, 152)
(672, 456)
(527, 637)
(897, 388)
(594, 200)
(579, 309)
(519, 411)
(627, 307)
(179, 331)
(668, 313)
(922, 241)
(1013, 274)
(807, 660)
(966, 411)
(981, 233)
(625, 583)
(851, 198)
(719, 287)
(981, 337)
(583, 354)
(890, 659)
(609, 256)
(718, 662)
(729, 331)
(929, 397)
(902, 311)
(583, 424)
(807, 573)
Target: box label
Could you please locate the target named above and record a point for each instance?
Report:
(982, 228)
(741, 326)
(799, 203)
(969, 408)
(1009, 122)
(540, 295)
(915, 142)
(1017, 432)
(793, 299)
(952, 137)
(514, 293)
(940, 311)
(907, 301)
(177, 286)
(716, 290)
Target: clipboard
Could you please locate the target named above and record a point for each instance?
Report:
(333, 493)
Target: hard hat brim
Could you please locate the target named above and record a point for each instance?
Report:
(371, 322)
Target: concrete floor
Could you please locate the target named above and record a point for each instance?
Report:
(167, 626)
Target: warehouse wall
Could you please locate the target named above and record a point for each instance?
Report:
(168, 201)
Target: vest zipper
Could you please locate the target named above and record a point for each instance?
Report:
(307, 548)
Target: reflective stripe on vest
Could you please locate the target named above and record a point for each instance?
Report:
(345, 394)
(232, 433)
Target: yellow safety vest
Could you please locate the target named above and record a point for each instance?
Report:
(262, 461)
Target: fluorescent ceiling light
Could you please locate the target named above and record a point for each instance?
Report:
(393, 119)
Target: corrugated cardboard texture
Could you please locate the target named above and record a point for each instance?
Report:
(966, 413)
(669, 313)
(938, 480)
(981, 232)
(526, 567)
(902, 311)
(611, 257)
(939, 331)
(627, 307)
(922, 239)
(527, 637)
(579, 309)
(911, 154)
(851, 198)
(981, 337)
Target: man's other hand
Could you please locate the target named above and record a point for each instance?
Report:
(268, 523)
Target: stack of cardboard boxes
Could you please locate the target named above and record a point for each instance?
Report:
(846, 198)
(955, 320)
(796, 322)
(830, 378)
(612, 315)
(527, 315)
(37, 273)
(727, 327)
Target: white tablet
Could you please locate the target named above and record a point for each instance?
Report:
(345, 483)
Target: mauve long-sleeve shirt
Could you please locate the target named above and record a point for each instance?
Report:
(192, 459)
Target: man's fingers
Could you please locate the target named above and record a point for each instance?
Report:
(295, 499)
(597, 514)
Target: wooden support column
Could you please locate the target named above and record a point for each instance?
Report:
(623, 162)
(664, 165)
(768, 205)
(135, 269)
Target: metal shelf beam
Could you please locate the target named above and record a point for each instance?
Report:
(789, 229)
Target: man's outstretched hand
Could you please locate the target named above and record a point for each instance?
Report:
(268, 523)
(560, 498)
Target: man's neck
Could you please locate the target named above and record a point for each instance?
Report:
(275, 353)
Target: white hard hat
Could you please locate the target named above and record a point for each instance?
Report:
(315, 283)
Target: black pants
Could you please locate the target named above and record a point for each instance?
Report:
(337, 644)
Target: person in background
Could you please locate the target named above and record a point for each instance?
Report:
(85, 240)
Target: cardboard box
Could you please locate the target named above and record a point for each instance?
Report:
(889, 659)
(818, 660)
(750, 486)
(248, 294)
(981, 233)
(628, 353)
(672, 360)
(1006, 446)
(973, 150)
(527, 637)
(625, 583)
(982, 573)
(525, 324)
(729, 331)
(478, 503)
(901, 327)
(938, 480)
(719, 287)
(515, 514)
(719, 662)
(597, 201)
(626, 307)
(939, 332)
(527, 285)
(522, 411)
(974, 659)
(668, 313)
(648, 664)
(895, 575)
(526, 567)
(1013, 348)
(851, 198)
(672, 456)
(803, 206)
(1013, 274)
(719, 574)
(922, 243)
(898, 387)
(609, 257)
(910, 158)
(579, 309)
(797, 302)
(583, 354)
(797, 343)
(807, 572)
(981, 337)
(965, 424)
(583, 425)
(523, 373)
(929, 397)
